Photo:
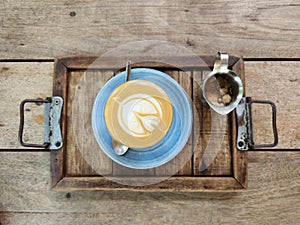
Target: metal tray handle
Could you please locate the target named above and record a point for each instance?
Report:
(245, 136)
(52, 131)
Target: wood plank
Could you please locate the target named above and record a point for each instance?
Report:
(122, 171)
(156, 184)
(214, 162)
(83, 88)
(278, 82)
(186, 82)
(274, 185)
(249, 28)
(268, 189)
(166, 216)
(183, 161)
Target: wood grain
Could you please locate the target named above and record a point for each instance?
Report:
(251, 28)
(274, 185)
(186, 82)
(164, 216)
(214, 162)
(183, 161)
(255, 29)
(19, 81)
(278, 82)
(83, 87)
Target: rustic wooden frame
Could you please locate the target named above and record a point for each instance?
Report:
(59, 182)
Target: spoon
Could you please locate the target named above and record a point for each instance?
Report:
(119, 148)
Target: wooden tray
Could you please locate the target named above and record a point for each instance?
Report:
(71, 172)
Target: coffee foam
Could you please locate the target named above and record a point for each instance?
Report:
(138, 113)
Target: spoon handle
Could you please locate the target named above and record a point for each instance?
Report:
(128, 70)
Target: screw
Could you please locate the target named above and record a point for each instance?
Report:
(57, 144)
(241, 144)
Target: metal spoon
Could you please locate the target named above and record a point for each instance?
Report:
(119, 148)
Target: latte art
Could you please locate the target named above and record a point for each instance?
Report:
(139, 115)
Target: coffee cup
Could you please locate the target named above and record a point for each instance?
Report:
(138, 114)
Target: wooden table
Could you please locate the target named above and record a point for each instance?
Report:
(266, 33)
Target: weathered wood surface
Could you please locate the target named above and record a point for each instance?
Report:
(222, 160)
(185, 157)
(83, 88)
(274, 186)
(278, 82)
(33, 80)
(273, 176)
(42, 30)
(19, 81)
(164, 216)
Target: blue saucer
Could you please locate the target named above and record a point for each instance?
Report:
(170, 145)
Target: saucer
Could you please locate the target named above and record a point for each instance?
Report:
(172, 143)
